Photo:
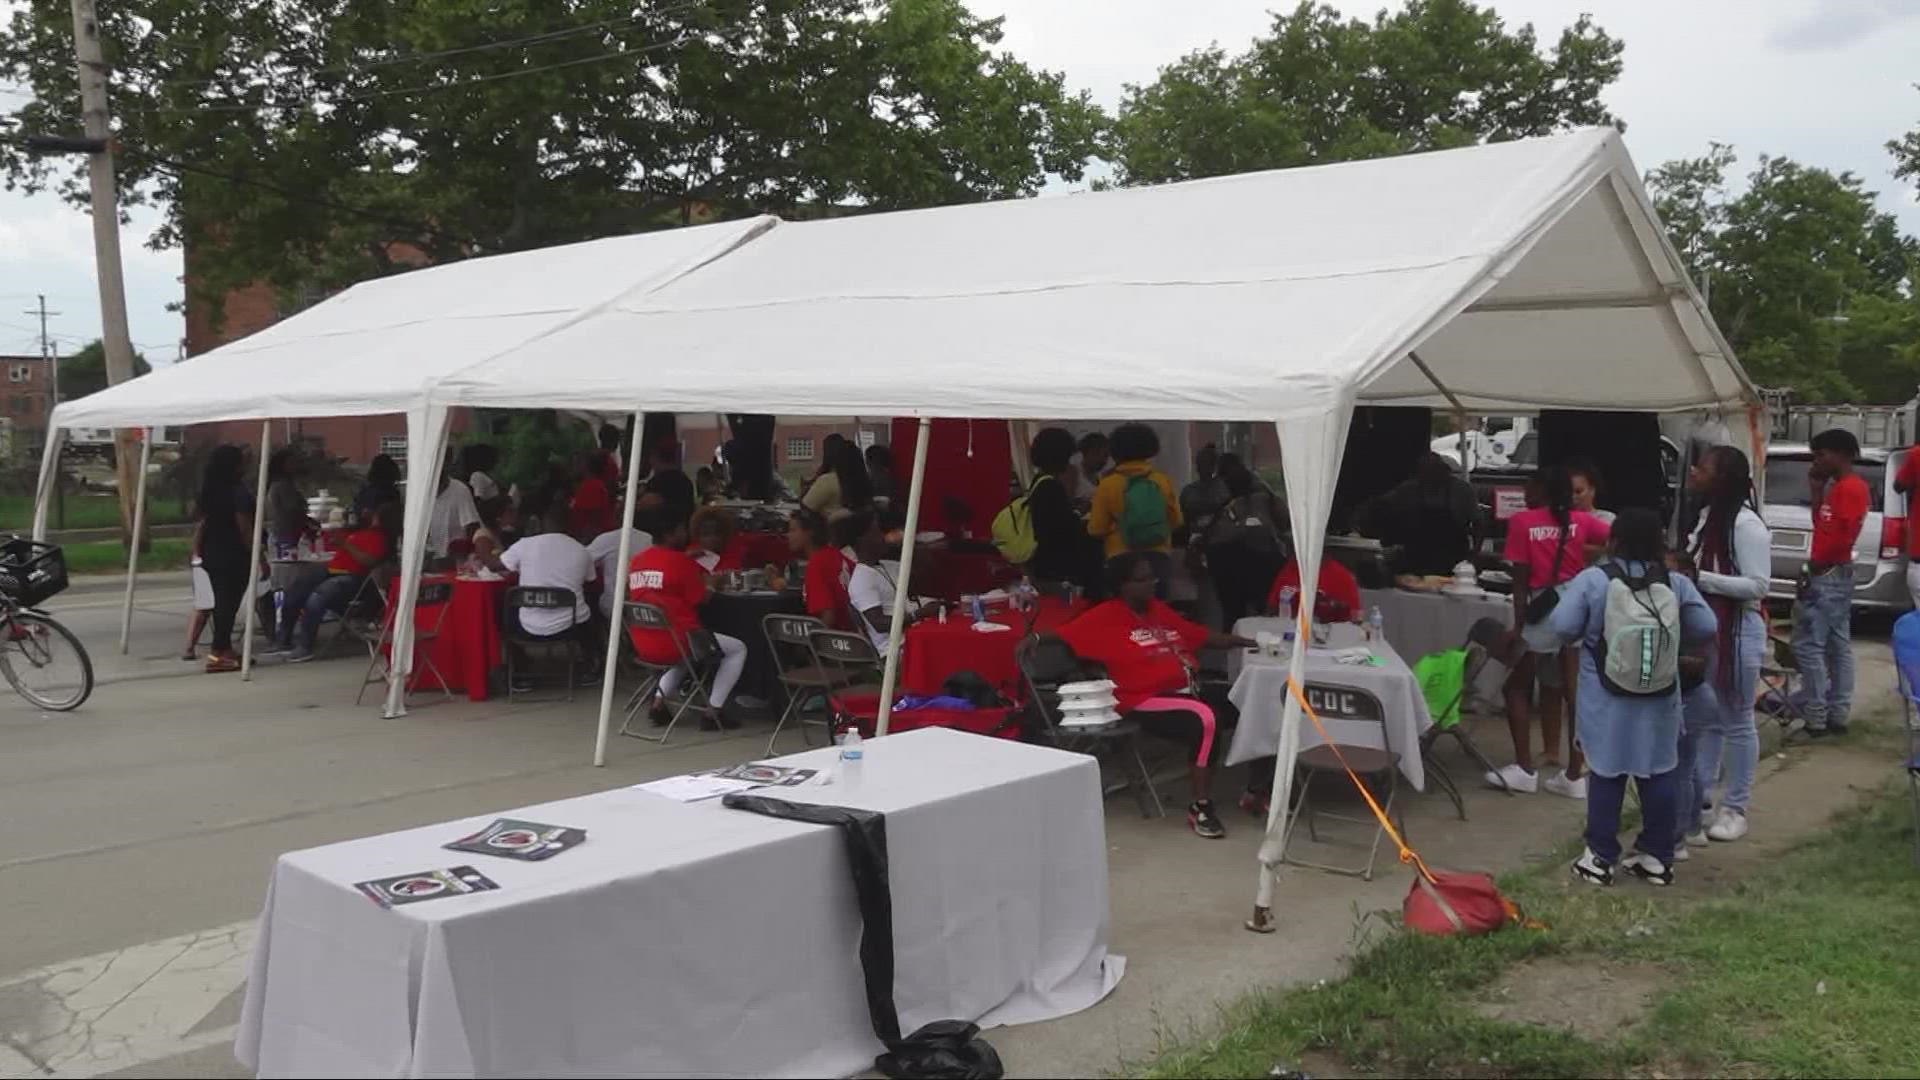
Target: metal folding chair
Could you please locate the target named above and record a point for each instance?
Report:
(1370, 765)
(364, 619)
(1045, 665)
(1779, 680)
(849, 660)
(430, 616)
(696, 652)
(1484, 642)
(538, 598)
(790, 637)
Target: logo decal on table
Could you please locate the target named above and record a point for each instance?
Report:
(1344, 703)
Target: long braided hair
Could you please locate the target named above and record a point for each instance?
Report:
(1556, 487)
(1731, 492)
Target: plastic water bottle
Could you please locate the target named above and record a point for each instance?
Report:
(1376, 626)
(851, 755)
(1287, 596)
(979, 608)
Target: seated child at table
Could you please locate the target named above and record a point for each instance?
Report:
(667, 577)
(715, 547)
(360, 552)
(824, 592)
(1336, 598)
(870, 588)
(1148, 650)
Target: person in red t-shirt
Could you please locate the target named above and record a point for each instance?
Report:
(715, 546)
(305, 606)
(1336, 598)
(592, 511)
(1823, 612)
(824, 592)
(1148, 650)
(1906, 482)
(666, 577)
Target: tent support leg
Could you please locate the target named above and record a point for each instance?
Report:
(49, 480)
(618, 585)
(251, 599)
(899, 617)
(133, 541)
(420, 429)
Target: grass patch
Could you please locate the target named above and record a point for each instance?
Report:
(1805, 969)
(110, 556)
(85, 512)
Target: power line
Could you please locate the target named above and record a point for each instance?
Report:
(426, 88)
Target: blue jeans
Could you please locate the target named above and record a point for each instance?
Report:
(1605, 796)
(331, 593)
(1697, 709)
(1728, 733)
(1823, 647)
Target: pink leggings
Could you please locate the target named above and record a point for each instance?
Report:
(1180, 718)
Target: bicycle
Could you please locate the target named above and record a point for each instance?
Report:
(41, 659)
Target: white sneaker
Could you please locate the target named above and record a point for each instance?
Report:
(1592, 869)
(1731, 826)
(1680, 853)
(1647, 869)
(1559, 784)
(1696, 838)
(1514, 778)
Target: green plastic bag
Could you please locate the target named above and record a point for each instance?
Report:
(1443, 682)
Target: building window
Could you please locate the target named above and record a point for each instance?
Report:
(800, 449)
(395, 447)
(21, 372)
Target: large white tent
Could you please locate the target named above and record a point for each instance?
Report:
(1499, 279)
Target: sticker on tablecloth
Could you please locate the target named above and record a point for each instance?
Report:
(526, 840)
(761, 774)
(426, 885)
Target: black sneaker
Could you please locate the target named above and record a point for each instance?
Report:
(1592, 869)
(1648, 868)
(1204, 822)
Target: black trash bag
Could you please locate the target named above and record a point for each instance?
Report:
(942, 1049)
(973, 687)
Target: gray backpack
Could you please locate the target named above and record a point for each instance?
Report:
(1639, 650)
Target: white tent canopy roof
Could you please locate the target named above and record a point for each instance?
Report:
(1522, 275)
(376, 347)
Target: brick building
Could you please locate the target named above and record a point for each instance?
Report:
(26, 400)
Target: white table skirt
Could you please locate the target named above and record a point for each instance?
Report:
(1260, 693)
(693, 940)
(1419, 624)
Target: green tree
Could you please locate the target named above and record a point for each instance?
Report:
(461, 127)
(1320, 87)
(85, 372)
(1810, 283)
(1906, 153)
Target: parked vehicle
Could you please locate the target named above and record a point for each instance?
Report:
(1880, 556)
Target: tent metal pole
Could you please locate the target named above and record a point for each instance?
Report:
(618, 587)
(252, 599)
(49, 480)
(899, 619)
(133, 541)
(406, 598)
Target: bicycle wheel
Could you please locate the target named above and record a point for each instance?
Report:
(44, 662)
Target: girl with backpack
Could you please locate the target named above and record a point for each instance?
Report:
(1631, 619)
(1134, 508)
(1730, 555)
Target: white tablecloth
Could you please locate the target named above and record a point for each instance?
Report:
(1260, 693)
(1419, 623)
(686, 939)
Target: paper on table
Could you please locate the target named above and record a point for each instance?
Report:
(695, 788)
(991, 627)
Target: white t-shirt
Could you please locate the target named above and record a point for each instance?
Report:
(453, 510)
(484, 486)
(552, 561)
(605, 551)
(869, 587)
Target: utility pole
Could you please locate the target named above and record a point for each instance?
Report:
(106, 239)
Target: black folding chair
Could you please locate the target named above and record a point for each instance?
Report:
(790, 638)
(519, 638)
(429, 617)
(849, 661)
(1046, 664)
(364, 619)
(1373, 766)
(697, 655)
(1485, 642)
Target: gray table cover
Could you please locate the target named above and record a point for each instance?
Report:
(686, 939)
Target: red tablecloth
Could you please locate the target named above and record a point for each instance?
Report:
(934, 651)
(468, 648)
(761, 550)
(949, 575)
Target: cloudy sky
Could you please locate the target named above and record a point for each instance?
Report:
(1824, 81)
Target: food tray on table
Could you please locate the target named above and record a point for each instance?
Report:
(32, 571)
